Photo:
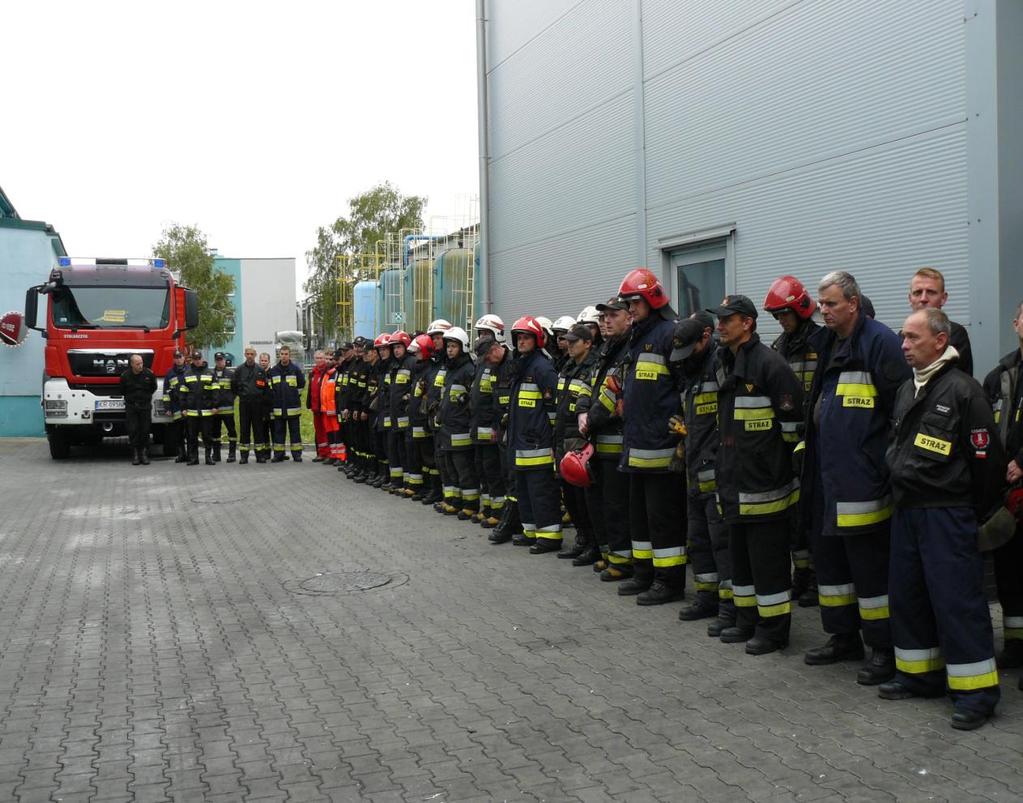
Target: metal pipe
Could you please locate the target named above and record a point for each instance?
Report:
(484, 148)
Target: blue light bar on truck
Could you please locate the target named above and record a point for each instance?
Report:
(68, 262)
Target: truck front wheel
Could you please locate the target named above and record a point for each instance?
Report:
(60, 444)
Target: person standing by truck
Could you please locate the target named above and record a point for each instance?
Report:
(198, 401)
(251, 384)
(224, 418)
(138, 384)
(287, 381)
(174, 436)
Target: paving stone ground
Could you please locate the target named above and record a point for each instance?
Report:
(191, 634)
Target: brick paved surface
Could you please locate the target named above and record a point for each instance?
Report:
(185, 634)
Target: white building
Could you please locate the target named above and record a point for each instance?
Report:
(264, 301)
(725, 143)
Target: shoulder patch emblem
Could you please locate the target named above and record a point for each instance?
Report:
(785, 403)
(942, 409)
(749, 388)
(980, 439)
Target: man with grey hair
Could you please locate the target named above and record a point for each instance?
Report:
(846, 504)
(947, 469)
(138, 384)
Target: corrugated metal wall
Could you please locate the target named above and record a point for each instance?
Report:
(832, 134)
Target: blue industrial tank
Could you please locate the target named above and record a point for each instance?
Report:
(392, 313)
(367, 313)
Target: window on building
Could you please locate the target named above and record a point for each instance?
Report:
(699, 273)
(229, 326)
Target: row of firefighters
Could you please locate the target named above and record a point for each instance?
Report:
(201, 402)
(870, 461)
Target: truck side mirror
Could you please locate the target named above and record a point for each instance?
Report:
(32, 309)
(191, 309)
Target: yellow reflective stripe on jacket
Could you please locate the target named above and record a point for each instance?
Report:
(706, 481)
(749, 408)
(790, 431)
(767, 502)
(861, 514)
(967, 677)
(461, 439)
(650, 366)
(650, 458)
(856, 383)
(534, 457)
(610, 444)
(918, 662)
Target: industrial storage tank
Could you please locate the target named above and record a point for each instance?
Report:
(367, 312)
(392, 303)
(419, 295)
(452, 286)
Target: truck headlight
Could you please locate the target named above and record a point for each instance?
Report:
(55, 408)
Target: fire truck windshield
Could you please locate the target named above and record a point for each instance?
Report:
(94, 307)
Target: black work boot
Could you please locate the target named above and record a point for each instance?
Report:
(880, 668)
(260, 457)
(662, 590)
(231, 448)
(243, 459)
(135, 459)
(193, 456)
(144, 455)
(701, 608)
(840, 647)
(508, 526)
(216, 452)
(642, 578)
(296, 455)
(725, 619)
(209, 456)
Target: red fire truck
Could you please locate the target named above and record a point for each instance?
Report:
(99, 313)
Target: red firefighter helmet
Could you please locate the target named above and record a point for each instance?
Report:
(400, 337)
(575, 467)
(641, 283)
(788, 292)
(383, 339)
(529, 325)
(424, 344)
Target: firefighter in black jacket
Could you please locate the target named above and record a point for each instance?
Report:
(399, 390)
(198, 402)
(345, 355)
(948, 470)
(656, 486)
(600, 420)
(707, 544)
(358, 401)
(174, 435)
(138, 384)
(224, 419)
(423, 475)
(760, 401)
(462, 495)
(1004, 389)
(484, 425)
(576, 385)
(287, 381)
(251, 384)
(379, 417)
(793, 307)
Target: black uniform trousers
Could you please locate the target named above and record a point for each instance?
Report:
(426, 457)
(657, 514)
(413, 465)
(852, 580)
(539, 498)
(221, 421)
(396, 455)
(287, 426)
(762, 577)
(1008, 560)
(708, 553)
(138, 422)
(174, 438)
(380, 450)
(607, 500)
(575, 503)
(940, 618)
(492, 478)
(251, 413)
(463, 488)
(362, 439)
(196, 425)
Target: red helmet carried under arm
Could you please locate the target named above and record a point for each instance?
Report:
(529, 325)
(641, 283)
(788, 293)
(575, 467)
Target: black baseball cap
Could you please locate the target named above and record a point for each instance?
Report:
(735, 305)
(579, 332)
(360, 342)
(197, 355)
(178, 353)
(219, 356)
(687, 334)
(614, 303)
(346, 346)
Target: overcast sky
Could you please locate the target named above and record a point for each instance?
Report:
(257, 121)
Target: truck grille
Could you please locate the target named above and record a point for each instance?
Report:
(98, 362)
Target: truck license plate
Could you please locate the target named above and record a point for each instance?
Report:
(109, 404)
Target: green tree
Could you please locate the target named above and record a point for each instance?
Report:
(371, 215)
(188, 254)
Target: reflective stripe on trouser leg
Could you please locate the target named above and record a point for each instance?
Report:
(941, 590)
(699, 551)
(543, 501)
(761, 560)
(462, 464)
(1009, 577)
(836, 591)
(657, 511)
(614, 489)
